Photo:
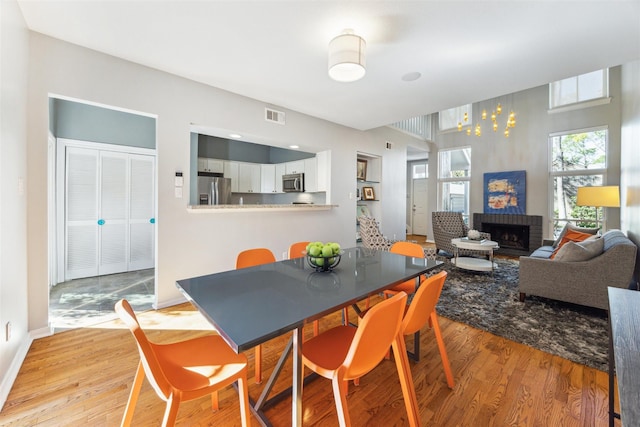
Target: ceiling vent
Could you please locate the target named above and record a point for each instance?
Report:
(274, 116)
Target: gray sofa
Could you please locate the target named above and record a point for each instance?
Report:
(579, 282)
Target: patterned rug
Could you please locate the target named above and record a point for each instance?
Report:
(490, 303)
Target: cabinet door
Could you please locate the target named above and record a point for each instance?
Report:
(294, 167)
(202, 164)
(267, 178)
(216, 165)
(310, 175)
(323, 170)
(280, 170)
(248, 178)
(231, 171)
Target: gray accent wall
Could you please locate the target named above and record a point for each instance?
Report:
(214, 147)
(84, 122)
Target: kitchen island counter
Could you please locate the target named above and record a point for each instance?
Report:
(258, 208)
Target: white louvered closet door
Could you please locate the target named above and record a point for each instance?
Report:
(81, 208)
(113, 218)
(109, 207)
(141, 212)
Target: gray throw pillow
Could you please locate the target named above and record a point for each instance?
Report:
(580, 251)
(569, 226)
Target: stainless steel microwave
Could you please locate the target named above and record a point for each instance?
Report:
(293, 183)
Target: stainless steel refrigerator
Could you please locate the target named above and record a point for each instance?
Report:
(213, 190)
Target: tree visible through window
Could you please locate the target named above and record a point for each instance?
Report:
(577, 160)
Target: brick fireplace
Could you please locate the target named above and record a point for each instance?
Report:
(516, 234)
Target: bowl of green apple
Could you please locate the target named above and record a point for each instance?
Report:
(323, 256)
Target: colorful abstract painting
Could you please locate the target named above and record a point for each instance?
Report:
(505, 192)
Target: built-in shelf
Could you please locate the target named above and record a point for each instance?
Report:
(372, 179)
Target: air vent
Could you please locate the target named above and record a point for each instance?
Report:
(274, 116)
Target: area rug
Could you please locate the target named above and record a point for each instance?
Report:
(490, 302)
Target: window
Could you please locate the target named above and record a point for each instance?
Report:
(450, 118)
(419, 170)
(454, 176)
(578, 159)
(584, 87)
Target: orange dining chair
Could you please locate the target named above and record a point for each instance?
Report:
(422, 310)
(296, 250)
(411, 250)
(345, 352)
(185, 370)
(251, 258)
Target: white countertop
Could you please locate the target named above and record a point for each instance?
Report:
(258, 208)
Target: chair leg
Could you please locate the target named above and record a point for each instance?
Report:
(133, 396)
(258, 364)
(340, 395)
(406, 380)
(171, 411)
(443, 351)
(243, 394)
(215, 404)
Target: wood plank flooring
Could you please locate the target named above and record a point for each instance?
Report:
(82, 377)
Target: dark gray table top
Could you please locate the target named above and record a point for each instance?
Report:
(252, 305)
(624, 315)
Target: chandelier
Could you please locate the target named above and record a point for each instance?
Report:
(477, 129)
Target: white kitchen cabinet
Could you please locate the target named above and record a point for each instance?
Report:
(231, 171)
(294, 167)
(248, 177)
(267, 178)
(323, 164)
(206, 164)
(310, 175)
(280, 170)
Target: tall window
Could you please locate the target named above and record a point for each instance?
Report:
(578, 159)
(584, 87)
(454, 175)
(449, 119)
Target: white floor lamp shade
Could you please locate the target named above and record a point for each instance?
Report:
(347, 57)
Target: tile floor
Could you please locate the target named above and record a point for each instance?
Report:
(88, 301)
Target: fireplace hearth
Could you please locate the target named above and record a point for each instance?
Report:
(516, 234)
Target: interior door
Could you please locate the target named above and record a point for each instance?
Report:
(81, 208)
(419, 197)
(112, 217)
(141, 212)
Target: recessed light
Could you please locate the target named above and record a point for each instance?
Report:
(235, 136)
(294, 146)
(409, 77)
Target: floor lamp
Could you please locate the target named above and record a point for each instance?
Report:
(599, 197)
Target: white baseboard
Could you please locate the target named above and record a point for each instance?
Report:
(12, 373)
(169, 303)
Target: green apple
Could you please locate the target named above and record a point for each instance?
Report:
(335, 248)
(318, 261)
(327, 251)
(315, 251)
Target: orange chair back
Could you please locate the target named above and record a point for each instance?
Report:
(423, 303)
(296, 249)
(407, 249)
(375, 334)
(253, 257)
(152, 367)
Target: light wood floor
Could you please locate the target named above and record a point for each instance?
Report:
(82, 377)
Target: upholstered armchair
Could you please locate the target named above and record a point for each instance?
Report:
(450, 225)
(371, 236)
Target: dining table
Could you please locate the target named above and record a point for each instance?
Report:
(250, 306)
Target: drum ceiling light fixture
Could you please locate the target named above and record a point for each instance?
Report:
(347, 57)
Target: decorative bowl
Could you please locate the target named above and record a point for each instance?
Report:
(322, 263)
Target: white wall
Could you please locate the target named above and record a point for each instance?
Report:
(527, 146)
(13, 207)
(192, 244)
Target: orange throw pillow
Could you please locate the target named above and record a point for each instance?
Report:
(571, 236)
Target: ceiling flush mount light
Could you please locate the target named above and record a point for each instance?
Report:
(235, 135)
(410, 77)
(346, 57)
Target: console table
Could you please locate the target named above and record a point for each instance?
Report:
(624, 354)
